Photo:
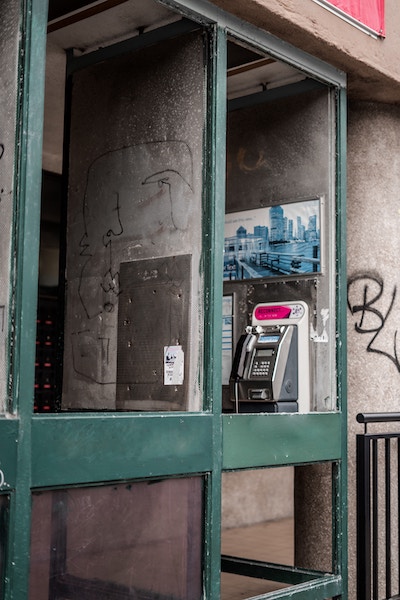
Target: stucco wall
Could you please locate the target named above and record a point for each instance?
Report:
(250, 497)
(373, 249)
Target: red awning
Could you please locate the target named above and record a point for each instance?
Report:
(369, 12)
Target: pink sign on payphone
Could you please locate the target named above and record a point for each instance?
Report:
(266, 313)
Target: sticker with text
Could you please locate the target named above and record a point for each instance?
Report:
(173, 365)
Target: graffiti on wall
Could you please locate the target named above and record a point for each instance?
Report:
(135, 195)
(371, 303)
(1, 156)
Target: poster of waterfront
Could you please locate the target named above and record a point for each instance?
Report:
(273, 241)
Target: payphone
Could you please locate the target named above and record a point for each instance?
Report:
(271, 366)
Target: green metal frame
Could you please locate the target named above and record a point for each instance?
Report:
(129, 446)
(27, 185)
(213, 218)
(340, 525)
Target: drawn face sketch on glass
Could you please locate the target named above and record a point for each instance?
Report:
(136, 205)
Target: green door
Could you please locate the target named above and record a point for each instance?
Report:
(118, 422)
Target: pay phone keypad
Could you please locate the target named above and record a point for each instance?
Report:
(260, 368)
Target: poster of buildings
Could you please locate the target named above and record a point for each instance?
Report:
(273, 241)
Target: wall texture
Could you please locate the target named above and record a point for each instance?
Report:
(247, 497)
(373, 250)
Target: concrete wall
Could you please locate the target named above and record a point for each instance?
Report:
(313, 516)
(373, 250)
(255, 496)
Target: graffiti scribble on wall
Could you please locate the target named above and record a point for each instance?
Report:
(371, 304)
(1, 156)
(135, 195)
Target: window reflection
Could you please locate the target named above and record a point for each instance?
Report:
(136, 541)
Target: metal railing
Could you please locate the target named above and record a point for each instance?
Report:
(378, 510)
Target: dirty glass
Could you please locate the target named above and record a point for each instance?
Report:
(279, 246)
(268, 515)
(257, 524)
(9, 36)
(134, 231)
(138, 540)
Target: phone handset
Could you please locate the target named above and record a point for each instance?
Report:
(245, 345)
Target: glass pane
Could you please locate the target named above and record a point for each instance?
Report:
(132, 285)
(257, 524)
(269, 515)
(9, 36)
(279, 239)
(140, 541)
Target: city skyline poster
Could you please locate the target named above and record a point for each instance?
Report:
(273, 241)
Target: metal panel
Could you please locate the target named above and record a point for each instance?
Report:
(271, 440)
(271, 571)
(153, 319)
(78, 449)
(319, 589)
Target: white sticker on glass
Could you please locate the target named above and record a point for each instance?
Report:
(173, 365)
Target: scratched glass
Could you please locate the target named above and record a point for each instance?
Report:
(134, 288)
(139, 540)
(9, 36)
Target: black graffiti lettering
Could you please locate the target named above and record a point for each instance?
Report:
(1, 156)
(369, 289)
(2, 316)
